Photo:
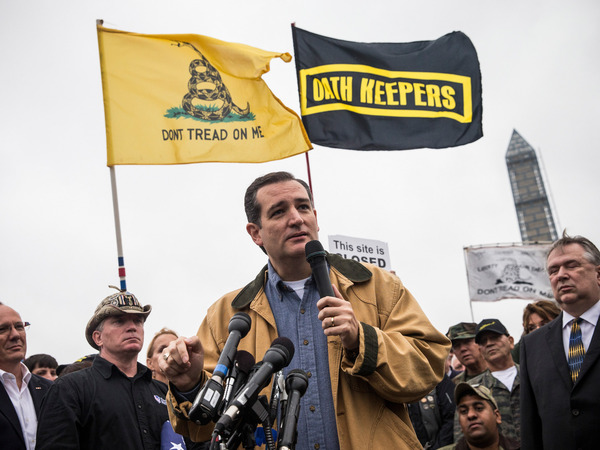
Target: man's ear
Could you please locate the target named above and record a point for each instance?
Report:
(498, 416)
(97, 337)
(254, 232)
(512, 341)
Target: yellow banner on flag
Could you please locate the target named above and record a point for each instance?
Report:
(185, 98)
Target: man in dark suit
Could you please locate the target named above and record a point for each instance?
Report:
(560, 362)
(20, 391)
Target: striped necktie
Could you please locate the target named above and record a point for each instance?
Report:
(576, 350)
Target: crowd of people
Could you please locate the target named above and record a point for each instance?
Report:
(380, 374)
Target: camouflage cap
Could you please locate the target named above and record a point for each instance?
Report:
(122, 302)
(463, 330)
(493, 325)
(479, 390)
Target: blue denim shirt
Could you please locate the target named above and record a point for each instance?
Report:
(297, 320)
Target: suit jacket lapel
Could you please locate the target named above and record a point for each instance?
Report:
(37, 391)
(8, 410)
(557, 350)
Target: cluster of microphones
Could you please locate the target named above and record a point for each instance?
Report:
(230, 398)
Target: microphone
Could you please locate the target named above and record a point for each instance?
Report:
(278, 382)
(276, 358)
(283, 397)
(295, 385)
(315, 255)
(244, 362)
(207, 402)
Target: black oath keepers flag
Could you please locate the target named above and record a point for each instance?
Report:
(388, 96)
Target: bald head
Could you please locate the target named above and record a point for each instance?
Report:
(13, 341)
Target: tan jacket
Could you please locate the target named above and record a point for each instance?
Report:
(401, 356)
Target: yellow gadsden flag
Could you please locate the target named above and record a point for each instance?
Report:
(184, 98)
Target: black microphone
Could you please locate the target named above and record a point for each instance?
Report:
(207, 402)
(276, 358)
(295, 385)
(244, 361)
(315, 255)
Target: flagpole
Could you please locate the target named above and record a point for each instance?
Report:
(309, 177)
(113, 184)
(465, 250)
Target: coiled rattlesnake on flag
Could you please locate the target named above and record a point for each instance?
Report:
(206, 85)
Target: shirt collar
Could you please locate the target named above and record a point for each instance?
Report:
(24, 372)
(273, 277)
(106, 368)
(590, 316)
(276, 282)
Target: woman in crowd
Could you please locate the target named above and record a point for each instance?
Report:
(536, 315)
(158, 343)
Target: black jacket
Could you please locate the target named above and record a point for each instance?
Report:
(101, 408)
(11, 435)
(555, 413)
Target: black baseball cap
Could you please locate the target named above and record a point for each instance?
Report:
(493, 325)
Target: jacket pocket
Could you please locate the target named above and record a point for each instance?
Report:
(389, 431)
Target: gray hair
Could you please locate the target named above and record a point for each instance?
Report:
(591, 252)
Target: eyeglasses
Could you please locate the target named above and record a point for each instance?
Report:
(19, 326)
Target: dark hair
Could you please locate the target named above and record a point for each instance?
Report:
(81, 363)
(546, 309)
(592, 254)
(74, 367)
(40, 360)
(252, 206)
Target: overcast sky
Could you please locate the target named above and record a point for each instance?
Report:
(183, 227)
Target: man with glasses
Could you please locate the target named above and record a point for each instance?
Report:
(21, 392)
(560, 402)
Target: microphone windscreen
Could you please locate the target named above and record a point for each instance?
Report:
(285, 343)
(296, 380)
(240, 322)
(245, 361)
(314, 249)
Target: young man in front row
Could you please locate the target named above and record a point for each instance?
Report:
(479, 418)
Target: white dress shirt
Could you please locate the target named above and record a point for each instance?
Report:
(23, 403)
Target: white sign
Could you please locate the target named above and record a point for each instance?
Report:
(362, 250)
(499, 272)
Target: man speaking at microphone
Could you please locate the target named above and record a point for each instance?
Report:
(367, 350)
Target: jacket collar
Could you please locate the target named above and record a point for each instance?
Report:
(353, 270)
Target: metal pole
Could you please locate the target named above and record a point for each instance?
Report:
(113, 184)
(309, 177)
